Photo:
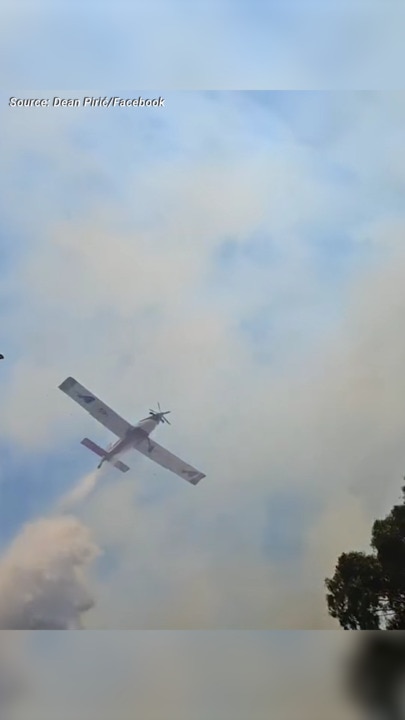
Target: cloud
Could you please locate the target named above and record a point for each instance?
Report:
(42, 583)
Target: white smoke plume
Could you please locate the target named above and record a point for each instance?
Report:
(42, 576)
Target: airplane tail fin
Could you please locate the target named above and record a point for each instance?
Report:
(102, 453)
(93, 447)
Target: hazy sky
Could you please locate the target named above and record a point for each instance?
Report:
(237, 256)
(177, 676)
(215, 44)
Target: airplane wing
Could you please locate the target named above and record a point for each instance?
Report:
(95, 407)
(166, 459)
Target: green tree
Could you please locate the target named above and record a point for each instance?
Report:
(367, 591)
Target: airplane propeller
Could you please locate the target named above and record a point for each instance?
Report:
(160, 416)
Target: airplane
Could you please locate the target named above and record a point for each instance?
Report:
(130, 436)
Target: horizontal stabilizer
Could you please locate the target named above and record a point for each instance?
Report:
(93, 447)
(121, 466)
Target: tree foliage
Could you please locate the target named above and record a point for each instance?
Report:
(367, 591)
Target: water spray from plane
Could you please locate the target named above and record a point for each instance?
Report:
(80, 492)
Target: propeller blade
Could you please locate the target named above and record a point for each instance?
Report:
(159, 415)
(159, 406)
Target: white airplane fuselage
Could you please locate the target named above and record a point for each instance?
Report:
(136, 434)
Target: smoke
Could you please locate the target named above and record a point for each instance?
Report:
(42, 576)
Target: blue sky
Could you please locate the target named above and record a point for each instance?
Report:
(289, 45)
(219, 255)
